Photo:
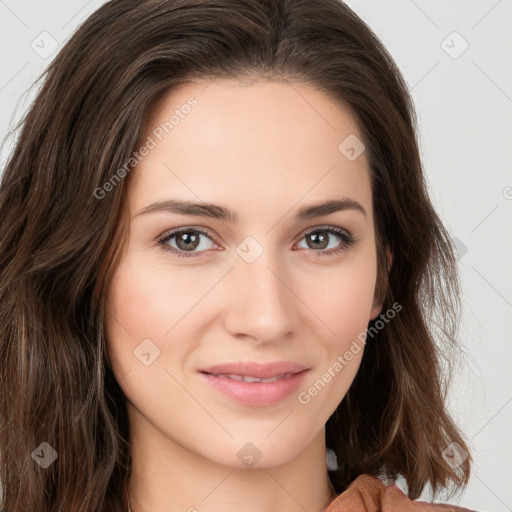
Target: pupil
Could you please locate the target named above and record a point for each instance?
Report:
(318, 236)
(186, 239)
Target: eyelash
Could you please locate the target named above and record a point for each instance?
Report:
(346, 238)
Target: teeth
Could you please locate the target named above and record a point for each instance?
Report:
(249, 378)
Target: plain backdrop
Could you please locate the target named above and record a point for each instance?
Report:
(456, 57)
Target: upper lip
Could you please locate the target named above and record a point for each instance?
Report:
(249, 368)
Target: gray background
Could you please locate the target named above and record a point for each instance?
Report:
(464, 104)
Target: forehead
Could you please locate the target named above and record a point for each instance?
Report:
(239, 143)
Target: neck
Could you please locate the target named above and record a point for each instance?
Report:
(197, 484)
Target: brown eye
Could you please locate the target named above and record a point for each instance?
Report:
(187, 240)
(184, 242)
(320, 239)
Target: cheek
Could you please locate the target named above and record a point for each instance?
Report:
(135, 310)
(141, 308)
(342, 298)
(150, 300)
(343, 302)
(147, 300)
(141, 301)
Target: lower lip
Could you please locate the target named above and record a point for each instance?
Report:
(256, 394)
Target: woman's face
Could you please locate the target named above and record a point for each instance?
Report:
(274, 285)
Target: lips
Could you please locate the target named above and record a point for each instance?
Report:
(255, 384)
(257, 393)
(257, 371)
(249, 378)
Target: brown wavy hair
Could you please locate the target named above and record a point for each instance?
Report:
(59, 243)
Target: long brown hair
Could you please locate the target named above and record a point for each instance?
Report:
(60, 242)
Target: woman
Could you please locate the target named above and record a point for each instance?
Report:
(221, 269)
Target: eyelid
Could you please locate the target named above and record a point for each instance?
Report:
(213, 235)
(346, 237)
(327, 227)
(200, 229)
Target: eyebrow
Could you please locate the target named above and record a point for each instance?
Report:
(215, 211)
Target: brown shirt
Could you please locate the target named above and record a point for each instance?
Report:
(369, 494)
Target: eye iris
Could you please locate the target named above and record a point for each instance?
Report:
(187, 241)
(317, 235)
(187, 237)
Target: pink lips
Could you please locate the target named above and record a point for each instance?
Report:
(226, 378)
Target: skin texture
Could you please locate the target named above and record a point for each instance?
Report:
(263, 149)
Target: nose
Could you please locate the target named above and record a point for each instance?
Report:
(260, 301)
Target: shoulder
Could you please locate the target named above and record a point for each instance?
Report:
(369, 494)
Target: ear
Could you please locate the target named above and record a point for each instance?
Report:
(377, 304)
